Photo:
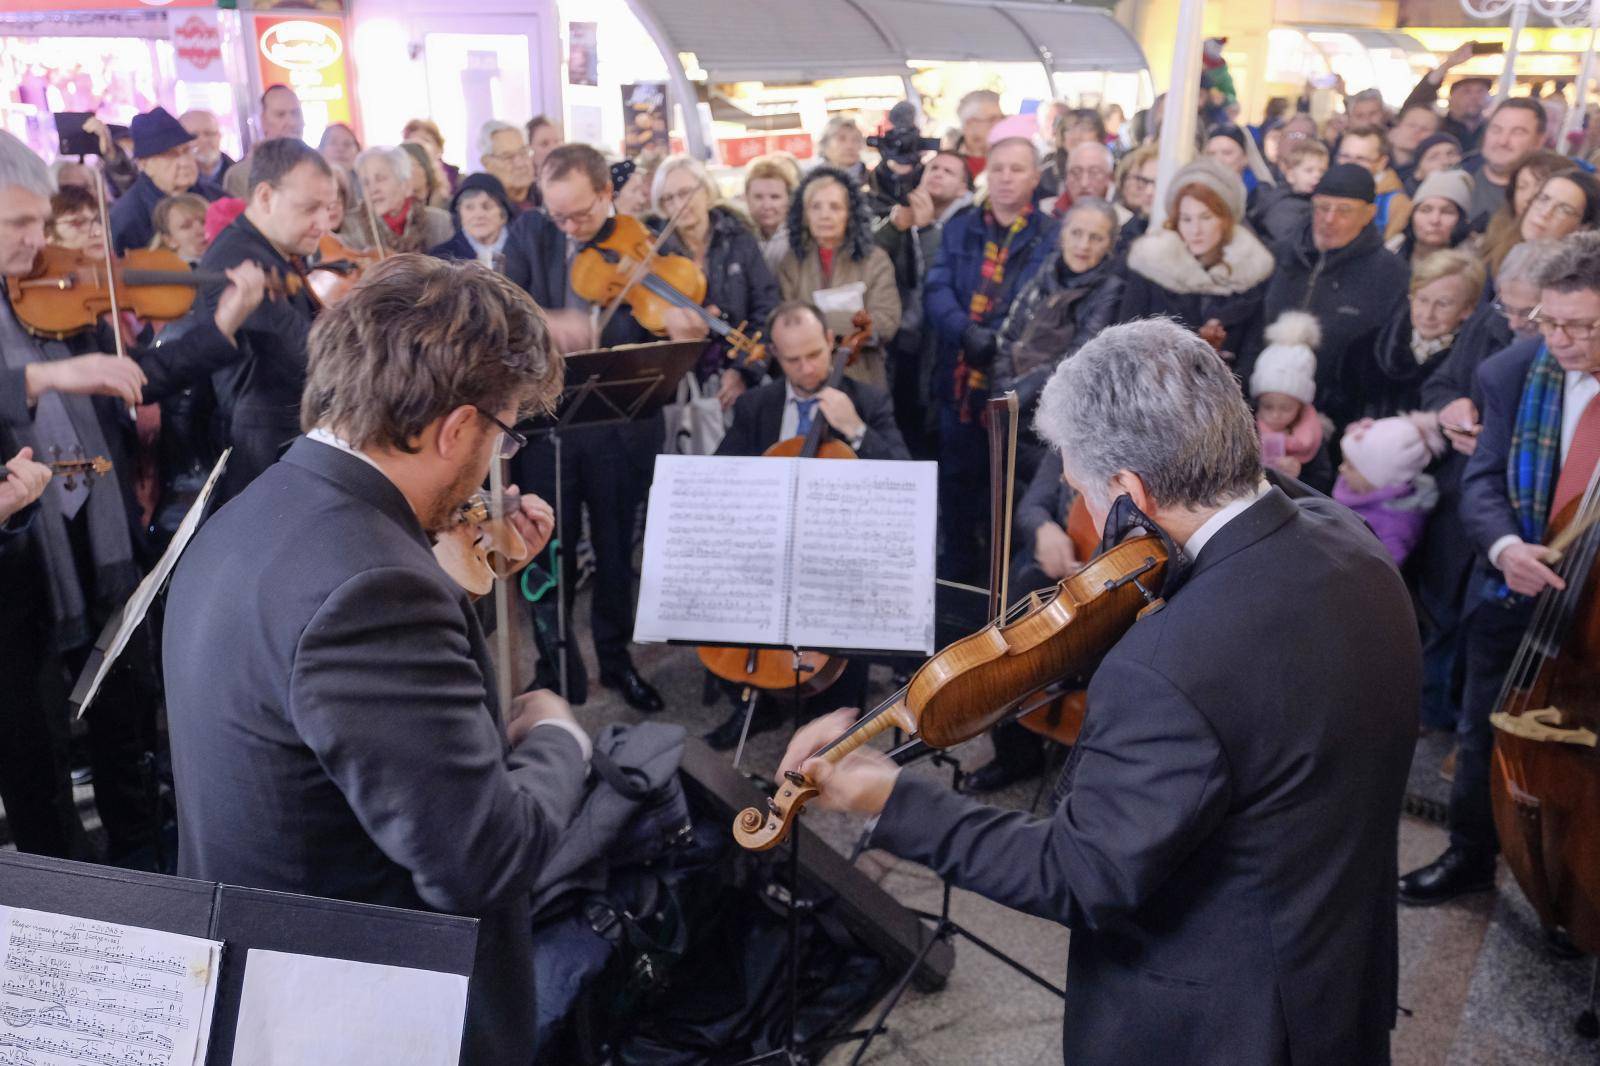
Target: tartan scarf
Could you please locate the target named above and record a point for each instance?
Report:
(1535, 460)
(970, 383)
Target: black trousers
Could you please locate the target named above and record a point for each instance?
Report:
(963, 499)
(605, 470)
(1492, 632)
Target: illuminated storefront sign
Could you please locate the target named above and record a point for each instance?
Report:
(308, 55)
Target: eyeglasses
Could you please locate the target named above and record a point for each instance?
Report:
(1511, 312)
(511, 442)
(670, 200)
(562, 221)
(1557, 207)
(512, 156)
(78, 222)
(1577, 331)
(1080, 173)
(1140, 181)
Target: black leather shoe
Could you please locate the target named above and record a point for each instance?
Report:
(726, 736)
(1453, 874)
(995, 775)
(640, 694)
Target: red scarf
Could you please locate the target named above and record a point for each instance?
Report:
(396, 219)
(825, 257)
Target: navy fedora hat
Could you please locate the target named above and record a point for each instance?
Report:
(155, 132)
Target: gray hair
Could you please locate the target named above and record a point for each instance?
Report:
(675, 163)
(21, 168)
(487, 131)
(1099, 207)
(1575, 265)
(973, 99)
(1089, 146)
(397, 159)
(1154, 399)
(1526, 261)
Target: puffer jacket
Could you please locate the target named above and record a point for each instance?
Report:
(1051, 318)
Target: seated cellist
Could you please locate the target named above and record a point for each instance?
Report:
(860, 415)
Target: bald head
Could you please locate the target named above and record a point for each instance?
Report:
(203, 125)
(1089, 169)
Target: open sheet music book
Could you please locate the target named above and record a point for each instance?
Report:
(794, 553)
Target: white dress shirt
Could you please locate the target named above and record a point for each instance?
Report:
(1211, 526)
(325, 436)
(1579, 391)
(789, 426)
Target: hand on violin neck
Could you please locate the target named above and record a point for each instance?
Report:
(247, 285)
(840, 413)
(86, 375)
(859, 783)
(534, 519)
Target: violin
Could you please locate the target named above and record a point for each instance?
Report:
(624, 265)
(67, 291)
(70, 470)
(766, 668)
(479, 547)
(1545, 777)
(338, 268)
(1001, 669)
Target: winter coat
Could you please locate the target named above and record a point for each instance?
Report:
(954, 276)
(1354, 291)
(799, 278)
(1279, 213)
(1397, 514)
(739, 284)
(1053, 316)
(426, 227)
(131, 222)
(1165, 279)
(1387, 379)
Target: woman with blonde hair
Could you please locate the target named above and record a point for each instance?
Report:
(769, 184)
(1445, 288)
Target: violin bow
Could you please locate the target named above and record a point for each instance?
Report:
(372, 217)
(1003, 476)
(502, 604)
(640, 270)
(111, 266)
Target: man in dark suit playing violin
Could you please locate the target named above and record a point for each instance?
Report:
(860, 415)
(1225, 853)
(606, 469)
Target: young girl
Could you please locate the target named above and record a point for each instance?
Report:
(1283, 384)
(1382, 479)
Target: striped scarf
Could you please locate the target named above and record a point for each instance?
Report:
(1536, 446)
(971, 383)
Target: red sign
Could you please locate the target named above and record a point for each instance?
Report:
(306, 53)
(111, 5)
(737, 151)
(197, 45)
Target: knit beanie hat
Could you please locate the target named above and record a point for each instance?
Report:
(1452, 185)
(1288, 364)
(1390, 451)
(1214, 176)
(1434, 140)
(1349, 182)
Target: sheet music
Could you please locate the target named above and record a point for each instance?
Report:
(75, 991)
(863, 570)
(714, 550)
(305, 1010)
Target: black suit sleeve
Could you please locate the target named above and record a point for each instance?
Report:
(741, 438)
(882, 439)
(1150, 784)
(1485, 507)
(185, 359)
(387, 693)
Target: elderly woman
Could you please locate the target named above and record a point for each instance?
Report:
(1445, 288)
(1203, 268)
(769, 185)
(831, 249)
(739, 286)
(1439, 217)
(405, 223)
(482, 212)
(840, 147)
(74, 220)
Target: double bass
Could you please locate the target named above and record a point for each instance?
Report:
(767, 669)
(1545, 772)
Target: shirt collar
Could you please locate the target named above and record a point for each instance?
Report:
(326, 436)
(1213, 525)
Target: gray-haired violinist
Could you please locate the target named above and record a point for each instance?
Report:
(1225, 852)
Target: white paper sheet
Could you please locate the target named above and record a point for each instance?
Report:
(303, 1010)
(75, 991)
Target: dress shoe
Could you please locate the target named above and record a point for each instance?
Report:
(1455, 873)
(639, 694)
(995, 775)
(726, 736)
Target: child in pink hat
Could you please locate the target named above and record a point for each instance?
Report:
(1382, 478)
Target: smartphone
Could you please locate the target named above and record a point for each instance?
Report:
(75, 140)
(1487, 48)
(1274, 446)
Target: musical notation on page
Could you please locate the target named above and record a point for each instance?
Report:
(78, 991)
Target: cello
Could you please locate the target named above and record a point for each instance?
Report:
(767, 669)
(1545, 773)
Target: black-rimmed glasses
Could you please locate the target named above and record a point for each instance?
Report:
(511, 442)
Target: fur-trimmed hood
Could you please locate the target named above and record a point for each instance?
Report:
(1162, 258)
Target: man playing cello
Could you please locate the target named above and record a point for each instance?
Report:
(1225, 856)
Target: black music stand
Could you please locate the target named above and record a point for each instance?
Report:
(604, 387)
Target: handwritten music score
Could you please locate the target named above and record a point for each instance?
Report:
(807, 553)
(74, 990)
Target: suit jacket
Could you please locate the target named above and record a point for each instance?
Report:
(536, 259)
(1485, 500)
(758, 416)
(335, 732)
(1226, 855)
(259, 394)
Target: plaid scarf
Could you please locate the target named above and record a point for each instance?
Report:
(971, 384)
(1536, 446)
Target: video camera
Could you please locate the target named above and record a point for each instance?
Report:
(904, 143)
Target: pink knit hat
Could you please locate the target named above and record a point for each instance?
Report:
(1390, 451)
(220, 215)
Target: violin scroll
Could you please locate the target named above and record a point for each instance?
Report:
(758, 831)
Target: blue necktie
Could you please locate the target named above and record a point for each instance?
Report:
(808, 410)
